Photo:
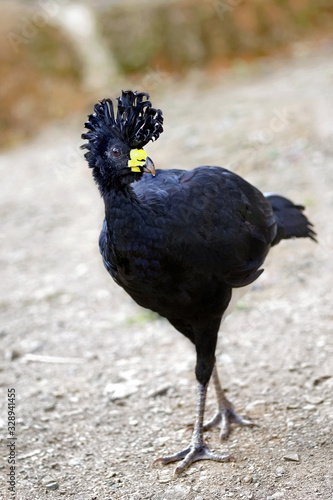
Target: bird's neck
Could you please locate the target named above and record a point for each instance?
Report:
(122, 208)
(110, 184)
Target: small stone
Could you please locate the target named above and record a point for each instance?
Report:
(314, 400)
(13, 354)
(321, 379)
(291, 457)
(178, 491)
(164, 477)
(148, 449)
(53, 485)
(111, 474)
(257, 407)
(50, 407)
(309, 407)
(121, 390)
(160, 391)
(247, 479)
(276, 496)
(29, 455)
(74, 461)
(292, 406)
(280, 470)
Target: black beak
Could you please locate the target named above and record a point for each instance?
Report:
(149, 166)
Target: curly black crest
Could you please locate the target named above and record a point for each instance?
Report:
(136, 122)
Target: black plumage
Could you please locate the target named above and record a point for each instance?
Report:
(180, 242)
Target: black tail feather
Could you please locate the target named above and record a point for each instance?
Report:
(291, 222)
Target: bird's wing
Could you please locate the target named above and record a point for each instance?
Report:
(211, 220)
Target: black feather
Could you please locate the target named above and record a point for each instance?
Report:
(291, 222)
(181, 241)
(136, 121)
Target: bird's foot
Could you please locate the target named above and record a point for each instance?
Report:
(224, 418)
(192, 454)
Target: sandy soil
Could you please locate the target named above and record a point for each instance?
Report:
(104, 387)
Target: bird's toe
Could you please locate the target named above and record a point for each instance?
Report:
(193, 454)
(223, 420)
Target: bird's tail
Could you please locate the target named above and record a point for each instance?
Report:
(291, 222)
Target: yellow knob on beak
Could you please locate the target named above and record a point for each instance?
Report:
(140, 162)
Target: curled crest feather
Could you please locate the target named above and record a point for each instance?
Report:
(135, 123)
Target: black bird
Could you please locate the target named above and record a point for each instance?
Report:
(181, 242)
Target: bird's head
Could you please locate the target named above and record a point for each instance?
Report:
(116, 139)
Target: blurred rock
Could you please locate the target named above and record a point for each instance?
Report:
(41, 73)
(79, 23)
(174, 36)
(257, 407)
(291, 457)
(55, 55)
(122, 390)
(52, 485)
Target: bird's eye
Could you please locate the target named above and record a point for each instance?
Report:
(116, 152)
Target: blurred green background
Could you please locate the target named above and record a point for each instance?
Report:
(57, 55)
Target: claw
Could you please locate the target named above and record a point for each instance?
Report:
(224, 418)
(226, 414)
(192, 454)
(197, 449)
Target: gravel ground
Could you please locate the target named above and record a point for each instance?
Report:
(103, 387)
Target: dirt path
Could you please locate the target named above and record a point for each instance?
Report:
(92, 426)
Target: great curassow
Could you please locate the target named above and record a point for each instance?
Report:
(181, 242)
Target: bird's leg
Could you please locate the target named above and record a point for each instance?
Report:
(197, 449)
(226, 414)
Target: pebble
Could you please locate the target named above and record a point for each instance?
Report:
(164, 477)
(309, 407)
(50, 407)
(275, 496)
(291, 457)
(321, 379)
(13, 354)
(258, 407)
(247, 479)
(314, 400)
(52, 485)
(179, 492)
(148, 449)
(74, 461)
(121, 390)
(292, 406)
(280, 470)
(111, 474)
(29, 455)
(160, 391)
